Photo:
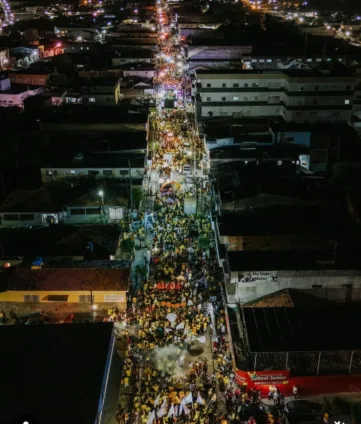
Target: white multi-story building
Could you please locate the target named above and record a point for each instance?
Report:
(299, 95)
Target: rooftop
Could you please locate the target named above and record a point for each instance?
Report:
(98, 161)
(304, 328)
(286, 298)
(59, 241)
(20, 88)
(293, 217)
(293, 73)
(279, 260)
(69, 279)
(56, 350)
(45, 200)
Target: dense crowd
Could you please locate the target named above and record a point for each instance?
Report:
(173, 312)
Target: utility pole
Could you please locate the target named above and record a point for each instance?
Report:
(130, 185)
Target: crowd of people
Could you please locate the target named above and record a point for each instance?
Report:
(173, 321)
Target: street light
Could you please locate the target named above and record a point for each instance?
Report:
(101, 194)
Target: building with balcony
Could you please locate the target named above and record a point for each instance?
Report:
(299, 95)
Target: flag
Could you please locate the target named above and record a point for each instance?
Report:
(186, 409)
(151, 417)
(180, 326)
(163, 409)
(188, 398)
(157, 400)
(171, 411)
(200, 400)
(180, 410)
(213, 398)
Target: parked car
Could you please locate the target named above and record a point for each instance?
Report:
(78, 318)
(301, 411)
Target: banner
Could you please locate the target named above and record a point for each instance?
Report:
(257, 277)
(262, 377)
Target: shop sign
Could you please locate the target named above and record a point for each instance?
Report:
(114, 298)
(258, 276)
(269, 377)
(262, 377)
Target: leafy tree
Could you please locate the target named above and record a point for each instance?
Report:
(141, 270)
(127, 245)
(137, 196)
(356, 412)
(204, 243)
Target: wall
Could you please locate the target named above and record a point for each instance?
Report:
(140, 73)
(38, 220)
(331, 281)
(14, 301)
(118, 61)
(76, 172)
(31, 79)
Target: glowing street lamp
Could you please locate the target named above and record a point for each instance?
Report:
(101, 194)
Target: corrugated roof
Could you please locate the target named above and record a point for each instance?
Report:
(303, 328)
(70, 279)
(287, 298)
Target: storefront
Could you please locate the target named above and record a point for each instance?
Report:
(262, 380)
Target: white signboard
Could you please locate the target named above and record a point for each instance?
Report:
(305, 161)
(114, 298)
(258, 277)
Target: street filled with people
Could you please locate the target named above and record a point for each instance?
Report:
(178, 364)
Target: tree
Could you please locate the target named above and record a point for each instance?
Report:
(204, 243)
(141, 270)
(356, 412)
(137, 196)
(127, 245)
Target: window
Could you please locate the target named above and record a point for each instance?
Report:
(317, 286)
(224, 85)
(300, 88)
(235, 98)
(57, 298)
(313, 114)
(269, 60)
(26, 217)
(261, 61)
(93, 173)
(85, 298)
(347, 102)
(123, 172)
(72, 171)
(317, 87)
(91, 99)
(235, 85)
(209, 99)
(254, 85)
(77, 211)
(31, 298)
(255, 98)
(335, 113)
(209, 85)
(92, 211)
(224, 99)
(11, 217)
(315, 102)
(309, 60)
(318, 59)
(279, 163)
(50, 172)
(107, 172)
